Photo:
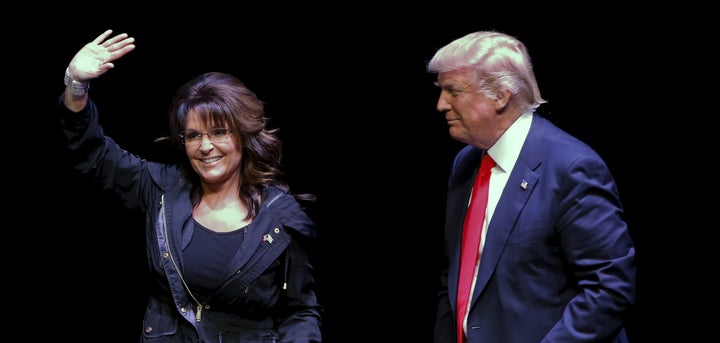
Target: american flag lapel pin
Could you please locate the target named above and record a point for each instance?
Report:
(524, 184)
(267, 238)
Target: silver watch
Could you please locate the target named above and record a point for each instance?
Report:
(78, 88)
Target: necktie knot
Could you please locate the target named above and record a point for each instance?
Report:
(487, 163)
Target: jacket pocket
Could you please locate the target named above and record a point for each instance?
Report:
(160, 320)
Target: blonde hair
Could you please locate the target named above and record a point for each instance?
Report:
(500, 61)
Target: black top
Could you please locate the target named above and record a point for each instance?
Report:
(208, 256)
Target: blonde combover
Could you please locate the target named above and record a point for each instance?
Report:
(500, 62)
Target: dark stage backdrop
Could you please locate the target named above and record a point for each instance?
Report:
(356, 111)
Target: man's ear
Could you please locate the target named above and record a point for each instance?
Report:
(503, 99)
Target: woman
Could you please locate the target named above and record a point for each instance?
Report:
(225, 237)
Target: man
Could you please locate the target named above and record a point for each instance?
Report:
(555, 261)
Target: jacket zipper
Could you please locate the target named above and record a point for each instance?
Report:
(198, 311)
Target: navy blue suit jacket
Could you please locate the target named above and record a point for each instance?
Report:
(558, 263)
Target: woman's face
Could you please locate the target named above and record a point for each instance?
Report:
(214, 152)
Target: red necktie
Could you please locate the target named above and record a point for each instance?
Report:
(472, 231)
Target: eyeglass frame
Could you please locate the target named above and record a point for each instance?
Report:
(218, 135)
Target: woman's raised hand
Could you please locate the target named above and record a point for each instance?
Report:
(96, 57)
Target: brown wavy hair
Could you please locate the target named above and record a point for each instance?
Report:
(223, 100)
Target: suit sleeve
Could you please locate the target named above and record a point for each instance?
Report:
(600, 251)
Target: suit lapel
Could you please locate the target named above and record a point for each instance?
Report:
(523, 179)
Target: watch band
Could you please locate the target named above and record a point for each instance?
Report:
(78, 88)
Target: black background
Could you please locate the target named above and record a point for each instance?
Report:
(356, 111)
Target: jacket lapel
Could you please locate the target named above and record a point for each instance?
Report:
(523, 179)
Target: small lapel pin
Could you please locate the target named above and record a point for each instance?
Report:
(267, 238)
(524, 184)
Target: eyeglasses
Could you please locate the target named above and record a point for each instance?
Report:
(215, 136)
